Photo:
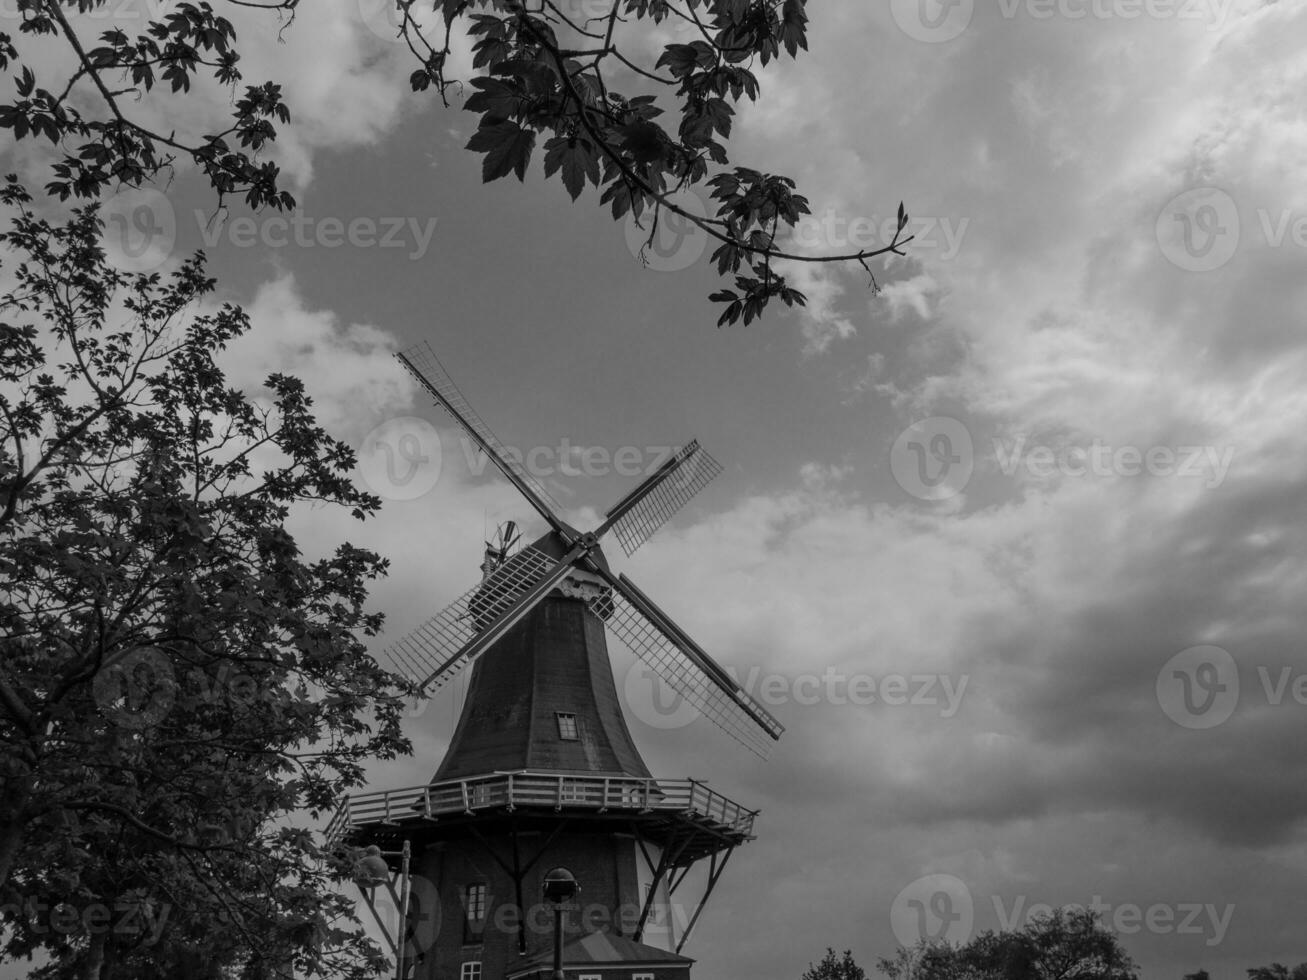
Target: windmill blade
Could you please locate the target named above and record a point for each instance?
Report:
(422, 363)
(650, 505)
(672, 655)
(450, 640)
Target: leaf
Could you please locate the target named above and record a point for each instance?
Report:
(507, 147)
(644, 140)
(495, 97)
(577, 160)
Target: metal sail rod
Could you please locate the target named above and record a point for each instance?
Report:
(510, 616)
(654, 502)
(485, 441)
(645, 488)
(654, 638)
(700, 656)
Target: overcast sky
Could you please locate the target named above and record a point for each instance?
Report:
(1052, 478)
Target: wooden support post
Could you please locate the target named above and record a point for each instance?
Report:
(403, 912)
(518, 874)
(367, 897)
(714, 873)
(653, 893)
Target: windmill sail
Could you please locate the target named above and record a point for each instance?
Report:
(422, 363)
(692, 674)
(448, 641)
(650, 505)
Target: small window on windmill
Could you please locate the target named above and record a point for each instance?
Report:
(566, 726)
(470, 971)
(474, 911)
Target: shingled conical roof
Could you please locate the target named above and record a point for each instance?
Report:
(553, 663)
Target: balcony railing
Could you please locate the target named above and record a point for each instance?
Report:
(508, 790)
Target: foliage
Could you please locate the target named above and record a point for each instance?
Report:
(832, 968)
(540, 82)
(176, 679)
(1278, 971)
(1066, 944)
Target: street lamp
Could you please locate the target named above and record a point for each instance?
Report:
(560, 888)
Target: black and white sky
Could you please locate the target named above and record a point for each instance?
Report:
(1013, 548)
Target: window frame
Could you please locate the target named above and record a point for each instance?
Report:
(567, 721)
(474, 927)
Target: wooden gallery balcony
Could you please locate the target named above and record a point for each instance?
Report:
(678, 812)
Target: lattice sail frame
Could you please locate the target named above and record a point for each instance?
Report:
(421, 362)
(751, 726)
(435, 647)
(694, 469)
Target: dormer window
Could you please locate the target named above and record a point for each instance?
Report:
(566, 726)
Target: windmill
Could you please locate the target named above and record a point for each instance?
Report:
(452, 639)
(542, 765)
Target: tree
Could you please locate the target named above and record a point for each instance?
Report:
(1066, 944)
(1198, 975)
(542, 75)
(1278, 971)
(177, 681)
(832, 968)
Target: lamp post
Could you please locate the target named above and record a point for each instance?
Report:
(371, 870)
(560, 888)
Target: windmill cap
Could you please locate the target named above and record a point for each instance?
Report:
(553, 545)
